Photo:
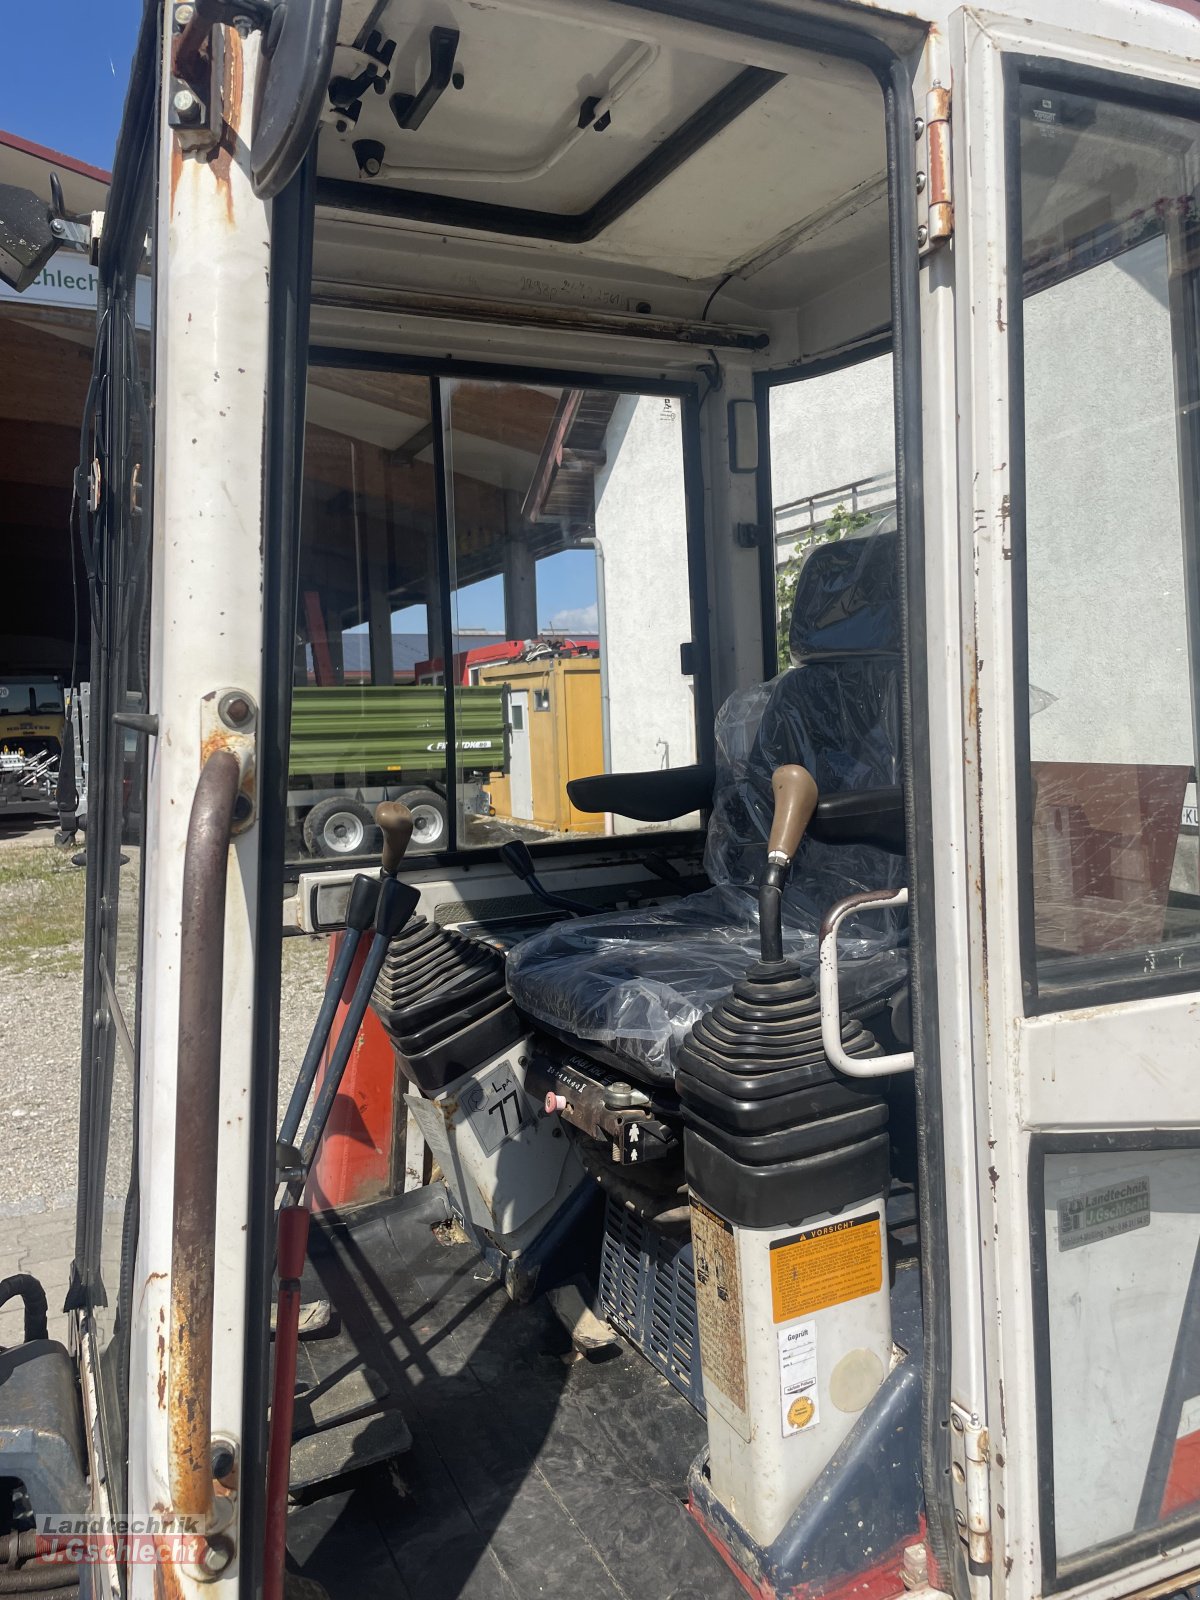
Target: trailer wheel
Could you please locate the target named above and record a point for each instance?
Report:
(341, 828)
(431, 818)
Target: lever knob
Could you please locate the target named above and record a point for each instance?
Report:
(796, 794)
(394, 821)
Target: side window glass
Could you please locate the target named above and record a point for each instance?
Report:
(833, 469)
(368, 715)
(1106, 539)
(494, 599)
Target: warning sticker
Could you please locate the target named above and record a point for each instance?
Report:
(825, 1266)
(1103, 1213)
(719, 1304)
(798, 1403)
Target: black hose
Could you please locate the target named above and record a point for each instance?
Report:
(34, 1296)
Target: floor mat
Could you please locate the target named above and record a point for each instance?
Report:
(533, 1474)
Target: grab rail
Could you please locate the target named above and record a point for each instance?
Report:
(831, 1008)
(197, 1124)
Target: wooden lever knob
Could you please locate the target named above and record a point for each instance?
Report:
(796, 796)
(394, 820)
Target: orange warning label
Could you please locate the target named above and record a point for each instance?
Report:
(825, 1266)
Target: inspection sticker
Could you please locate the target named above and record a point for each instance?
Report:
(1103, 1213)
(825, 1266)
(798, 1403)
(719, 1304)
(495, 1108)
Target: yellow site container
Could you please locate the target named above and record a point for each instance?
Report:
(555, 733)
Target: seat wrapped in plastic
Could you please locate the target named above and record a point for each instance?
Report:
(635, 981)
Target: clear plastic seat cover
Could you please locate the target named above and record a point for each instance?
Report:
(635, 981)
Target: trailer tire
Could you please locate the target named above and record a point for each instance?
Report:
(431, 818)
(337, 827)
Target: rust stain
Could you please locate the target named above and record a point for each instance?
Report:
(166, 1580)
(232, 88)
(176, 167)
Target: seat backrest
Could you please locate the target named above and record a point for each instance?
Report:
(836, 711)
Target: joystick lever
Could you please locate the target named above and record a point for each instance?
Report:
(796, 795)
(394, 821)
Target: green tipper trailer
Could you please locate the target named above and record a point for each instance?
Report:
(356, 744)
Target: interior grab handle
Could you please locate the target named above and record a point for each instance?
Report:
(197, 1124)
(831, 1007)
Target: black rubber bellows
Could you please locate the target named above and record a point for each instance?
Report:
(773, 1133)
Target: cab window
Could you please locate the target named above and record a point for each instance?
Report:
(495, 597)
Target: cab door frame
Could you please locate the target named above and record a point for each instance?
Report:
(1029, 1063)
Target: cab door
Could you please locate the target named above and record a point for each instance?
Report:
(1077, 315)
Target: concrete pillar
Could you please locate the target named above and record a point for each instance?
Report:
(376, 513)
(520, 590)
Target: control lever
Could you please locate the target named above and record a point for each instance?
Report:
(389, 903)
(796, 795)
(516, 857)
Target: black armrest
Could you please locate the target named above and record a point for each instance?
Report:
(657, 796)
(863, 816)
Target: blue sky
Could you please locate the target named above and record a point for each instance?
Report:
(67, 92)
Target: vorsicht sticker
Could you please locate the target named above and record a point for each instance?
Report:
(825, 1266)
(799, 1405)
(1103, 1213)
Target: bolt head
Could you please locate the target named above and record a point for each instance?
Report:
(236, 710)
(184, 14)
(57, 225)
(185, 103)
(922, 234)
(218, 1553)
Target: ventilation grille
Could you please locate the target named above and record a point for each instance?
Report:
(648, 1292)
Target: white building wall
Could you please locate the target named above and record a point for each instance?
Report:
(832, 430)
(642, 528)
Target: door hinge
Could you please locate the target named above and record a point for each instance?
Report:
(972, 1483)
(935, 182)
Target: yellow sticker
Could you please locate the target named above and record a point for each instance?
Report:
(801, 1412)
(825, 1266)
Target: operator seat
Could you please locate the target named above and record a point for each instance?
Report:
(632, 982)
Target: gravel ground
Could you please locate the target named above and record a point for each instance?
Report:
(41, 960)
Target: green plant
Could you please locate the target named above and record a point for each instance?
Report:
(836, 525)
